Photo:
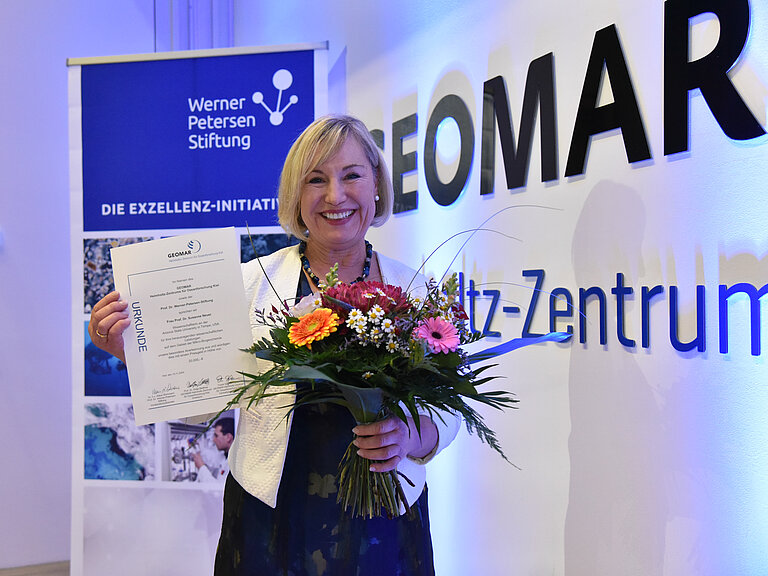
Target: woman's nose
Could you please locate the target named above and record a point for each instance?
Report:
(334, 192)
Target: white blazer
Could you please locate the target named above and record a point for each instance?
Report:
(257, 456)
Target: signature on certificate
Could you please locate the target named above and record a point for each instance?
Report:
(198, 383)
(167, 389)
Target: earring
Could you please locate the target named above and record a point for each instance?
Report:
(376, 197)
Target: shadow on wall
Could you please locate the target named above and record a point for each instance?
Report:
(741, 321)
(743, 266)
(617, 508)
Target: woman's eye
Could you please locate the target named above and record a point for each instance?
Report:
(352, 176)
(315, 180)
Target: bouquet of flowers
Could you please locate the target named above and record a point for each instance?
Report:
(378, 351)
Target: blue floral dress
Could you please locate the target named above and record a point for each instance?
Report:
(307, 533)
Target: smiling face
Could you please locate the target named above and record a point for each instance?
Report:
(337, 199)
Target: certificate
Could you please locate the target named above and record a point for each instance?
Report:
(189, 323)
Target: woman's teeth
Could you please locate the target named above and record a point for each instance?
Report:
(337, 215)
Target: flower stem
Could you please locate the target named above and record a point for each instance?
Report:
(366, 493)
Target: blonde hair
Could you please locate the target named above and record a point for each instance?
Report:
(319, 142)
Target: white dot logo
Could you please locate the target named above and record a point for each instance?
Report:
(281, 80)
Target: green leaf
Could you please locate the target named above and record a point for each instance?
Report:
(397, 411)
(265, 354)
(365, 403)
(298, 373)
(411, 405)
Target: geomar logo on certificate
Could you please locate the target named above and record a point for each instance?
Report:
(189, 323)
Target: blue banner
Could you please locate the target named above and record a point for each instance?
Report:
(190, 143)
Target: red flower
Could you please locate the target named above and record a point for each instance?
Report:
(458, 311)
(365, 295)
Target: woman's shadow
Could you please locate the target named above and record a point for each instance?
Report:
(617, 509)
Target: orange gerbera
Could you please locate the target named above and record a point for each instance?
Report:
(313, 327)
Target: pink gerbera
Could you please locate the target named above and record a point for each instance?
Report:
(440, 336)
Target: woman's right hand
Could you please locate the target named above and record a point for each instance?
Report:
(109, 319)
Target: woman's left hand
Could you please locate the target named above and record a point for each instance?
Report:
(389, 441)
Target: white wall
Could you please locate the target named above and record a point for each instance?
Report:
(643, 461)
(36, 38)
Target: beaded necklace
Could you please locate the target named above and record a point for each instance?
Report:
(316, 280)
